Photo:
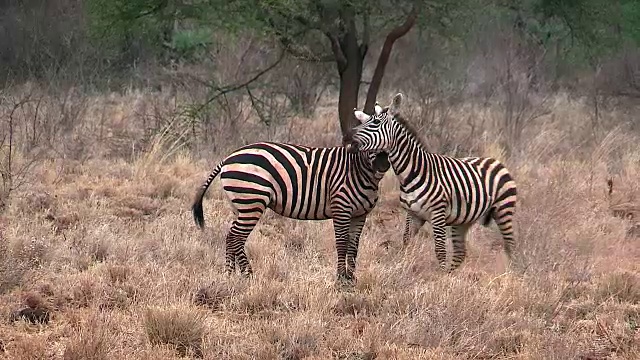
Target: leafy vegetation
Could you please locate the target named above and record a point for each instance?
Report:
(114, 37)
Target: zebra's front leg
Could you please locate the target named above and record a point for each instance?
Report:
(355, 230)
(412, 225)
(341, 230)
(438, 223)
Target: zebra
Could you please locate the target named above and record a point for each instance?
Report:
(298, 182)
(446, 191)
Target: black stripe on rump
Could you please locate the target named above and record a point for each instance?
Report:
(261, 161)
(289, 168)
(491, 172)
(251, 201)
(509, 192)
(249, 178)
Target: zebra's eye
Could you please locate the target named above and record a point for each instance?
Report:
(375, 121)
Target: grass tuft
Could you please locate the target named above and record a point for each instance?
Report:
(180, 327)
(620, 286)
(93, 341)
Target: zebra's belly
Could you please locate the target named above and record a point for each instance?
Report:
(415, 205)
(454, 215)
(362, 211)
(465, 214)
(300, 215)
(313, 204)
(304, 211)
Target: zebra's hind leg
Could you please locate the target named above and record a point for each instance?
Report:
(236, 240)
(458, 242)
(355, 230)
(230, 254)
(505, 224)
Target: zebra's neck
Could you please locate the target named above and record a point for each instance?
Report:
(362, 172)
(409, 159)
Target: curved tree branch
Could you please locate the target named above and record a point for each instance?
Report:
(340, 58)
(383, 59)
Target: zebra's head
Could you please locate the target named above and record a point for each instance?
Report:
(375, 132)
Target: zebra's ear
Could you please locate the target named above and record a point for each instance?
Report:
(378, 108)
(394, 108)
(361, 116)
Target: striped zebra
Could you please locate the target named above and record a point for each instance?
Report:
(297, 182)
(446, 191)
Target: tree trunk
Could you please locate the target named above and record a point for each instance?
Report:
(349, 62)
(350, 78)
(348, 100)
(349, 57)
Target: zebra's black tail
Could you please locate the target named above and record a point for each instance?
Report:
(196, 208)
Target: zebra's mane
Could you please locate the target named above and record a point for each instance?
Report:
(408, 127)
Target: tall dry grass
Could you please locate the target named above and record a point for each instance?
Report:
(106, 245)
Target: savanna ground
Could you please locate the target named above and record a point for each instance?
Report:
(100, 237)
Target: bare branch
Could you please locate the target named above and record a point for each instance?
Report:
(305, 54)
(331, 32)
(300, 52)
(244, 55)
(340, 58)
(230, 88)
(255, 106)
(394, 35)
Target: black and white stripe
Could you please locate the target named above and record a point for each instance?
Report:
(298, 182)
(443, 190)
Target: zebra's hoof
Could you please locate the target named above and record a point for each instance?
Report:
(346, 281)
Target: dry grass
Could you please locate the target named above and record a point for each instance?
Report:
(182, 328)
(109, 248)
(92, 341)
